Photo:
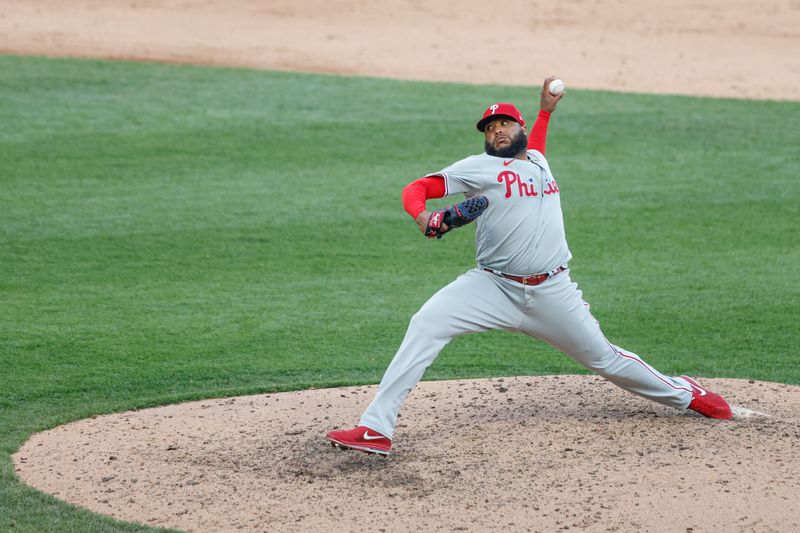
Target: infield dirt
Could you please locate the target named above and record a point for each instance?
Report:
(519, 454)
(728, 48)
(540, 453)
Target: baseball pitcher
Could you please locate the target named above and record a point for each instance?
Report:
(521, 281)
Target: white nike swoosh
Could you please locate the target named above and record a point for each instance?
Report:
(368, 437)
(700, 391)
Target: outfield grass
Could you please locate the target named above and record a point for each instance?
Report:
(172, 233)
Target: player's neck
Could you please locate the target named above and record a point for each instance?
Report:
(522, 155)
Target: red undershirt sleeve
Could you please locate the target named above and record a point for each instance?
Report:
(417, 192)
(538, 137)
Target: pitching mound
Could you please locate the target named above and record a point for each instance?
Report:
(533, 453)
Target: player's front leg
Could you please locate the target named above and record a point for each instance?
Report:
(473, 302)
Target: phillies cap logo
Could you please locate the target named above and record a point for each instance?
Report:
(494, 108)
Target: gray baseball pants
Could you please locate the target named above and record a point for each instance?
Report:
(553, 311)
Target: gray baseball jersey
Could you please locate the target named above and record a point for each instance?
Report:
(510, 238)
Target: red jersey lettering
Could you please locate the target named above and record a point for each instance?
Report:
(523, 189)
(552, 188)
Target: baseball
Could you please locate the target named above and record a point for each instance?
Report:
(556, 87)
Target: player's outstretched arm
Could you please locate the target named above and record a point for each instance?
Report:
(537, 140)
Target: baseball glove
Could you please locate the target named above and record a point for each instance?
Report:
(455, 216)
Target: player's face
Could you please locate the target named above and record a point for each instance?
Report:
(505, 138)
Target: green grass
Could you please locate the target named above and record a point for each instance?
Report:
(171, 233)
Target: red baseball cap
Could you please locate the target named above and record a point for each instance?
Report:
(500, 109)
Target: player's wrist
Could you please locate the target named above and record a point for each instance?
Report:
(422, 219)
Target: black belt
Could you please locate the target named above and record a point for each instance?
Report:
(528, 280)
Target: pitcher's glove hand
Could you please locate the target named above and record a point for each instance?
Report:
(455, 216)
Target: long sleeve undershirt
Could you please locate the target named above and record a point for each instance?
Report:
(538, 137)
(417, 192)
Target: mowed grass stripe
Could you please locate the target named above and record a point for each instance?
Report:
(171, 233)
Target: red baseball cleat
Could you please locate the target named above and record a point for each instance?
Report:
(362, 439)
(708, 403)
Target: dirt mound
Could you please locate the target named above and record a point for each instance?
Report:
(532, 453)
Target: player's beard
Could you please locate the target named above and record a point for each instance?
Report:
(517, 146)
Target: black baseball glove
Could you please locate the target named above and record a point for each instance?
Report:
(455, 216)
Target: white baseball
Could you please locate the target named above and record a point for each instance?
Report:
(556, 87)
